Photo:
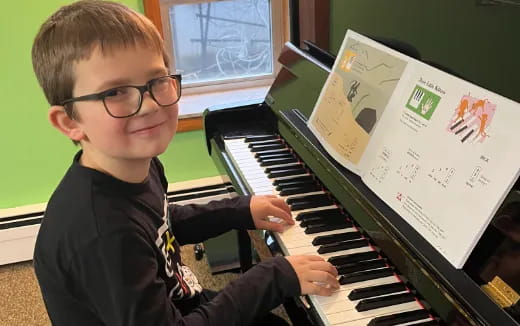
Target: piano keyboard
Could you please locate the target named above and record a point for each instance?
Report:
(371, 291)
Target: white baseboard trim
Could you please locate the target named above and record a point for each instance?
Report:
(19, 225)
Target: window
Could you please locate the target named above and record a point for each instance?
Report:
(217, 44)
(221, 46)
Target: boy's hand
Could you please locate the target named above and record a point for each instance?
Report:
(316, 275)
(263, 207)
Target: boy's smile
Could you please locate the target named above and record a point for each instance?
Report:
(121, 147)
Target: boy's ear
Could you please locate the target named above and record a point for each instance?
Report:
(67, 126)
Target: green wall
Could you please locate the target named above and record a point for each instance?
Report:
(34, 156)
(478, 42)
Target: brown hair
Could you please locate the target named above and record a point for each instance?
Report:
(70, 35)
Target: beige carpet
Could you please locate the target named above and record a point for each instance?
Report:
(21, 302)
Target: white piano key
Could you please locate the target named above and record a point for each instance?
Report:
(294, 239)
(347, 317)
(314, 209)
(265, 141)
(415, 322)
(344, 304)
(366, 321)
(345, 289)
(296, 231)
(284, 165)
(314, 251)
(306, 239)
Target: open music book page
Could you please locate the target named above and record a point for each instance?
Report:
(354, 98)
(443, 153)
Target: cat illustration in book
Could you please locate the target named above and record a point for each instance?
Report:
(478, 104)
(483, 119)
(461, 110)
(352, 92)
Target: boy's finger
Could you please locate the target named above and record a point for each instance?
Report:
(277, 212)
(281, 203)
(314, 257)
(324, 266)
(323, 277)
(319, 290)
(271, 226)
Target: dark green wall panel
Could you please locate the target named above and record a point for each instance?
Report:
(479, 42)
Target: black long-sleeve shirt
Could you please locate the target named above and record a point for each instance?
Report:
(107, 253)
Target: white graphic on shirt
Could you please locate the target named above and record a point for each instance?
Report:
(165, 241)
(190, 279)
(185, 283)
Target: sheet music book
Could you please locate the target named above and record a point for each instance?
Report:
(440, 151)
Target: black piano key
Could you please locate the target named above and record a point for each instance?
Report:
(314, 223)
(309, 201)
(400, 318)
(385, 301)
(293, 179)
(376, 290)
(260, 138)
(291, 184)
(281, 168)
(299, 190)
(285, 173)
(277, 161)
(282, 155)
(365, 275)
(274, 154)
(270, 152)
(324, 218)
(262, 148)
(322, 212)
(343, 245)
(361, 266)
(333, 219)
(297, 168)
(352, 258)
(307, 205)
(315, 198)
(317, 228)
(331, 238)
(261, 143)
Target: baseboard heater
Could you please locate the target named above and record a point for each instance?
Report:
(19, 226)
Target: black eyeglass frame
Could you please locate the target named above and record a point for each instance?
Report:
(142, 89)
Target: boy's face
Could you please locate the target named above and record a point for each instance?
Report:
(144, 135)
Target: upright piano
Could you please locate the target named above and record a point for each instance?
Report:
(390, 275)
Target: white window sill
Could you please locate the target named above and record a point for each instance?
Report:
(192, 105)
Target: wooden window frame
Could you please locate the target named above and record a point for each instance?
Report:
(152, 10)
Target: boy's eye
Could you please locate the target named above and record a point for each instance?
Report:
(162, 81)
(162, 84)
(116, 92)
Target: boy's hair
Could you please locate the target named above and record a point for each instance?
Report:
(71, 34)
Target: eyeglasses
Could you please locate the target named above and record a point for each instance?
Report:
(126, 101)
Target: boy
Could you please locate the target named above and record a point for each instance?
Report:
(108, 248)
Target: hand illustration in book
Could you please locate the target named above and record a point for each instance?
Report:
(426, 106)
(416, 98)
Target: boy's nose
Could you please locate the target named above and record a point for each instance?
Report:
(148, 104)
